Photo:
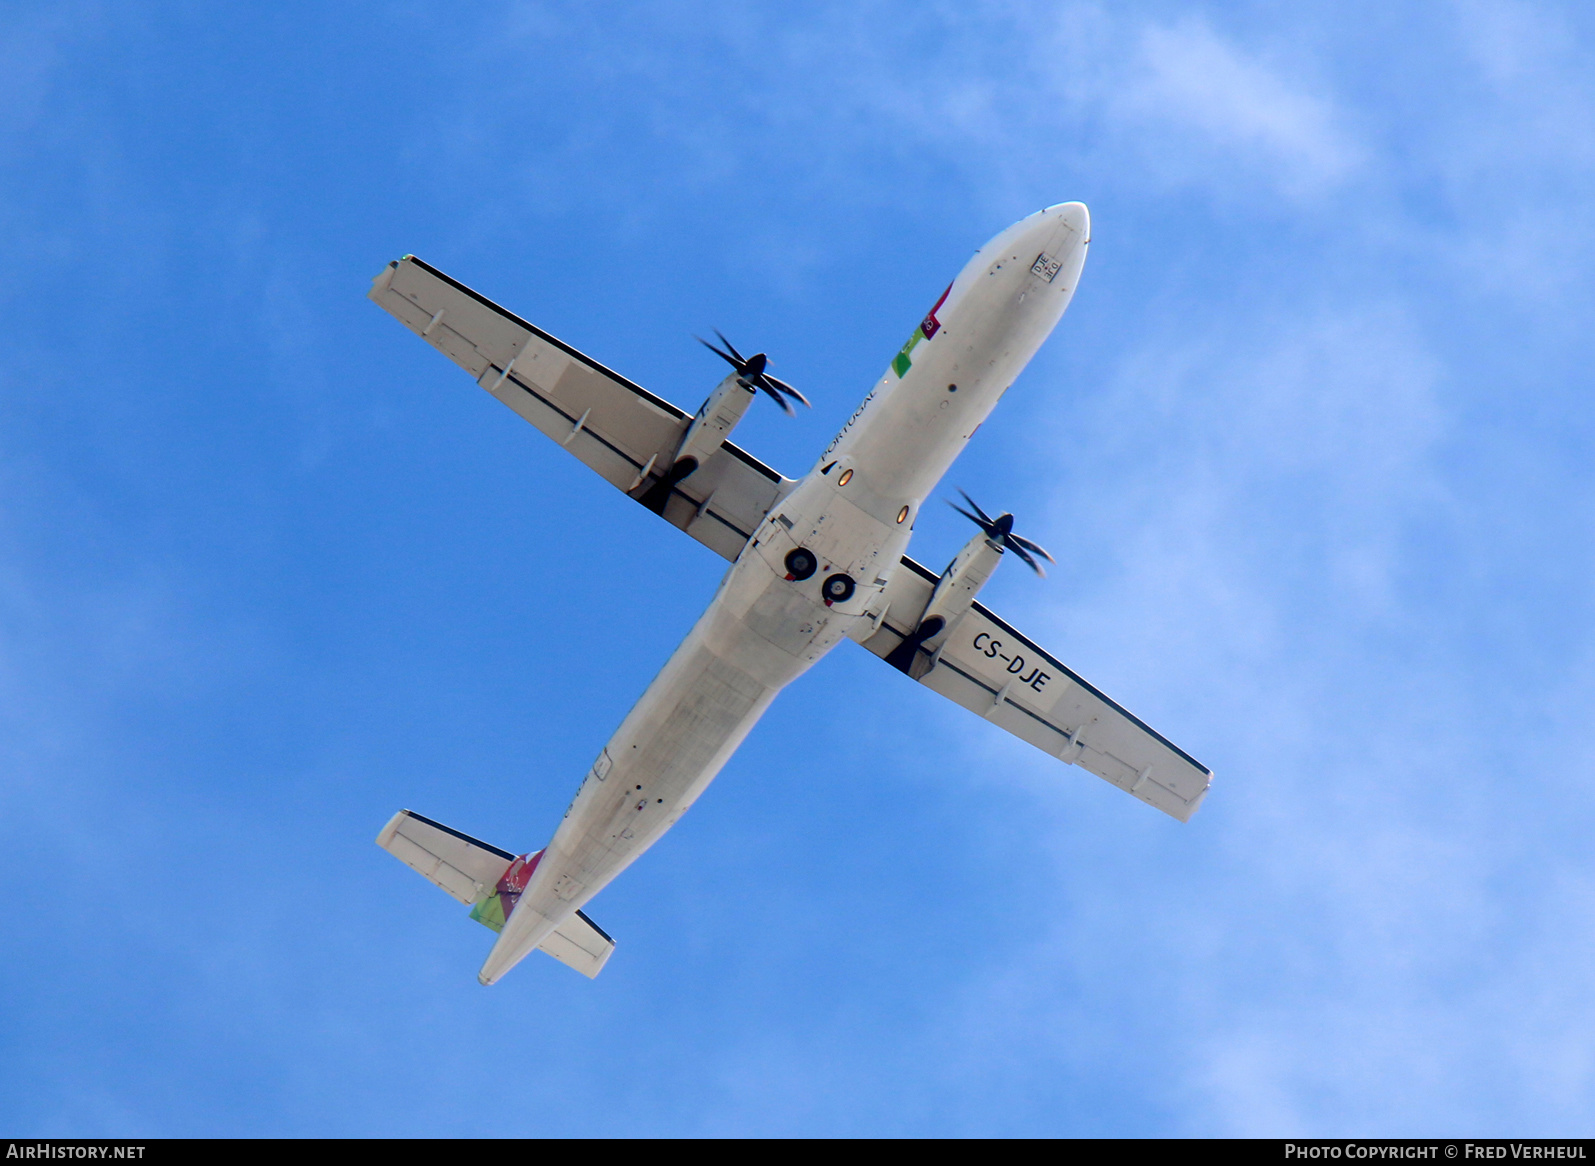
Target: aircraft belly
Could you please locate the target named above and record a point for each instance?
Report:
(665, 753)
(922, 427)
(787, 619)
(671, 745)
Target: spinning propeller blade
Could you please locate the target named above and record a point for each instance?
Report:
(1000, 531)
(751, 370)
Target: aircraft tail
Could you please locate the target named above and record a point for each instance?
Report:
(491, 881)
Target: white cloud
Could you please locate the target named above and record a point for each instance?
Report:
(1206, 101)
(1252, 490)
(844, 104)
(1517, 155)
(1286, 550)
(1383, 914)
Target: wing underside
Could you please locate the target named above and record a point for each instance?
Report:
(617, 428)
(1003, 676)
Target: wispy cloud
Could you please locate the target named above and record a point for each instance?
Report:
(1286, 528)
(1199, 103)
(1315, 436)
(1281, 549)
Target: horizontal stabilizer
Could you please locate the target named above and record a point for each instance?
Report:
(579, 943)
(472, 871)
(458, 863)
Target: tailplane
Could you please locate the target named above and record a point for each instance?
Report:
(491, 881)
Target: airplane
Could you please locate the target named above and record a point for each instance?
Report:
(814, 561)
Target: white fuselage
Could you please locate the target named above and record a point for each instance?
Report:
(854, 512)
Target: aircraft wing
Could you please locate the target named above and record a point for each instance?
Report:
(616, 427)
(999, 674)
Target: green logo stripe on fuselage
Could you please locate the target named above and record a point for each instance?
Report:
(901, 362)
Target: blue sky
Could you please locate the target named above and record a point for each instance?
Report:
(1311, 447)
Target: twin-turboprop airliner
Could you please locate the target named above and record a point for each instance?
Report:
(814, 561)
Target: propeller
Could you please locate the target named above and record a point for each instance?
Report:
(1000, 531)
(751, 370)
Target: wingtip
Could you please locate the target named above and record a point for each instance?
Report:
(387, 832)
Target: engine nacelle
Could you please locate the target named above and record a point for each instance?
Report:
(704, 437)
(716, 419)
(954, 594)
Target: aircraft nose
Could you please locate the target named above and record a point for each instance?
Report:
(1072, 215)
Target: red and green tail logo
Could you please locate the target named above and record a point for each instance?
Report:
(493, 907)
